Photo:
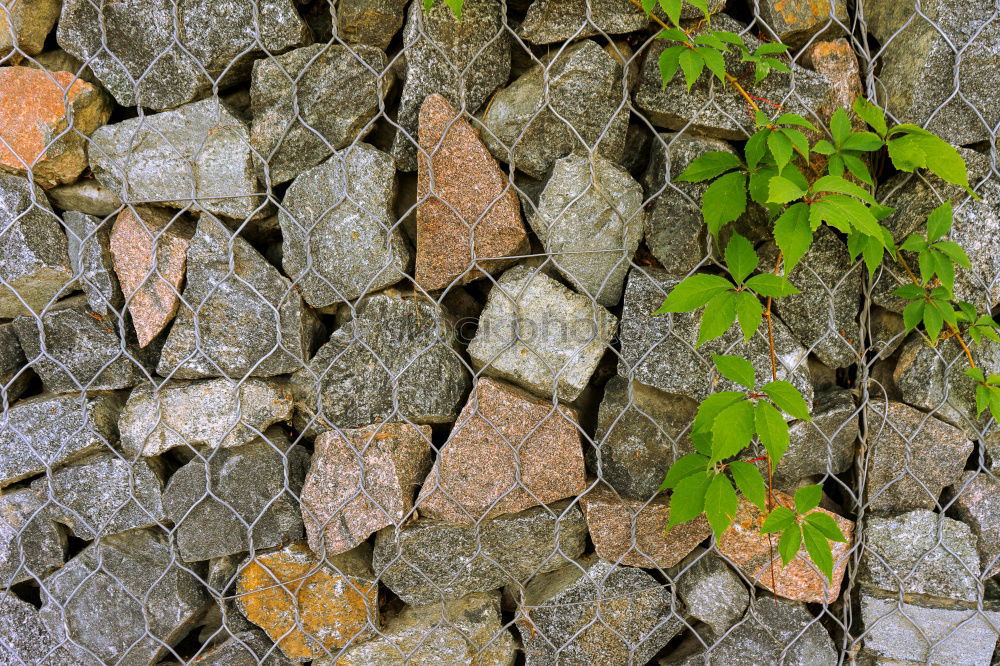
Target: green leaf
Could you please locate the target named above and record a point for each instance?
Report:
(788, 399)
(819, 550)
(840, 126)
(982, 399)
(793, 234)
(730, 38)
(808, 498)
(863, 141)
(824, 147)
(714, 61)
(781, 190)
(724, 201)
(772, 430)
(732, 430)
(858, 168)
(827, 526)
(841, 186)
(688, 499)
(717, 318)
(647, 5)
(674, 34)
(781, 148)
(712, 406)
(917, 148)
(789, 543)
(456, 7)
(844, 213)
(749, 312)
(913, 314)
(909, 292)
(720, 504)
(871, 114)
(741, 259)
(933, 320)
(672, 8)
(700, 4)
(693, 292)
(684, 467)
(780, 519)
(939, 222)
(709, 165)
(768, 284)
(794, 119)
(669, 61)
(750, 482)
(799, 141)
(769, 48)
(914, 243)
(943, 267)
(736, 369)
(976, 374)
(760, 183)
(692, 64)
(954, 252)
(756, 147)
(428, 4)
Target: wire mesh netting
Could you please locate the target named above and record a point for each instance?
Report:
(326, 336)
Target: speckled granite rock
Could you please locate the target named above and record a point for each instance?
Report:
(49, 431)
(549, 21)
(25, 25)
(648, 544)
(246, 648)
(462, 631)
(537, 333)
(913, 456)
(396, 359)
(429, 561)
(590, 219)
(467, 209)
(312, 101)
(508, 451)
(250, 320)
(196, 156)
(14, 372)
(34, 262)
(464, 60)
(373, 22)
(123, 599)
(212, 413)
(592, 612)
(583, 85)
(711, 591)
(253, 501)
(23, 637)
(825, 445)
(795, 23)
(89, 244)
(340, 239)
(360, 481)
(977, 503)
(31, 545)
(160, 54)
(307, 605)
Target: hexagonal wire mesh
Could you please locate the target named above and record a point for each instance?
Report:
(363, 369)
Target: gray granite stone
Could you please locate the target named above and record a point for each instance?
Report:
(14, 372)
(711, 591)
(90, 258)
(340, 239)
(23, 637)
(549, 21)
(223, 573)
(977, 502)
(372, 22)
(86, 196)
(824, 445)
(31, 545)
(247, 648)
(546, 112)
(796, 23)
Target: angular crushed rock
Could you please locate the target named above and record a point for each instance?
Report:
(26, 26)
(549, 21)
(537, 119)
(373, 22)
(23, 637)
(340, 239)
(825, 445)
(537, 333)
(977, 503)
(31, 545)
(87, 196)
(89, 244)
(14, 372)
(312, 101)
(245, 648)
(711, 591)
(796, 23)
(431, 561)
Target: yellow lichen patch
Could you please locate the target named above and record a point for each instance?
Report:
(306, 607)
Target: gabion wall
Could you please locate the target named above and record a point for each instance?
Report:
(326, 336)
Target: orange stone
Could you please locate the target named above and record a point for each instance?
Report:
(24, 25)
(751, 551)
(465, 200)
(36, 110)
(149, 251)
(310, 606)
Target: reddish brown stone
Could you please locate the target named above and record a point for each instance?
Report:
(751, 551)
(504, 431)
(796, 21)
(609, 519)
(359, 484)
(36, 108)
(836, 61)
(152, 297)
(469, 198)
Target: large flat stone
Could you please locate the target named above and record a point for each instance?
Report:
(31, 545)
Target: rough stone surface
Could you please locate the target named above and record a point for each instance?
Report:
(47, 431)
(712, 110)
(124, 599)
(648, 544)
(920, 553)
(640, 433)
(918, 65)
(372, 22)
(252, 502)
(86, 196)
(464, 60)
(246, 648)
(549, 21)
(977, 502)
(900, 632)
(105, 495)
(591, 612)
(89, 245)
(824, 445)
(250, 321)
(795, 23)
(81, 351)
(14, 373)
(837, 61)
(31, 546)
(23, 637)
(912, 457)
(508, 451)
(45, 119)
(468, 211)
(659, 350)
(161, 54)
(149, 247)
(751, 551)
(24, 25)
(312, 101)
(360, 481)
(537, 333)
(546, 112)
(197, 156)
(211, 413)
(590, 220)
(429, 561)
(309, 606)
(462, 631)
(711, 591)
(34, 261)
(340, 237)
